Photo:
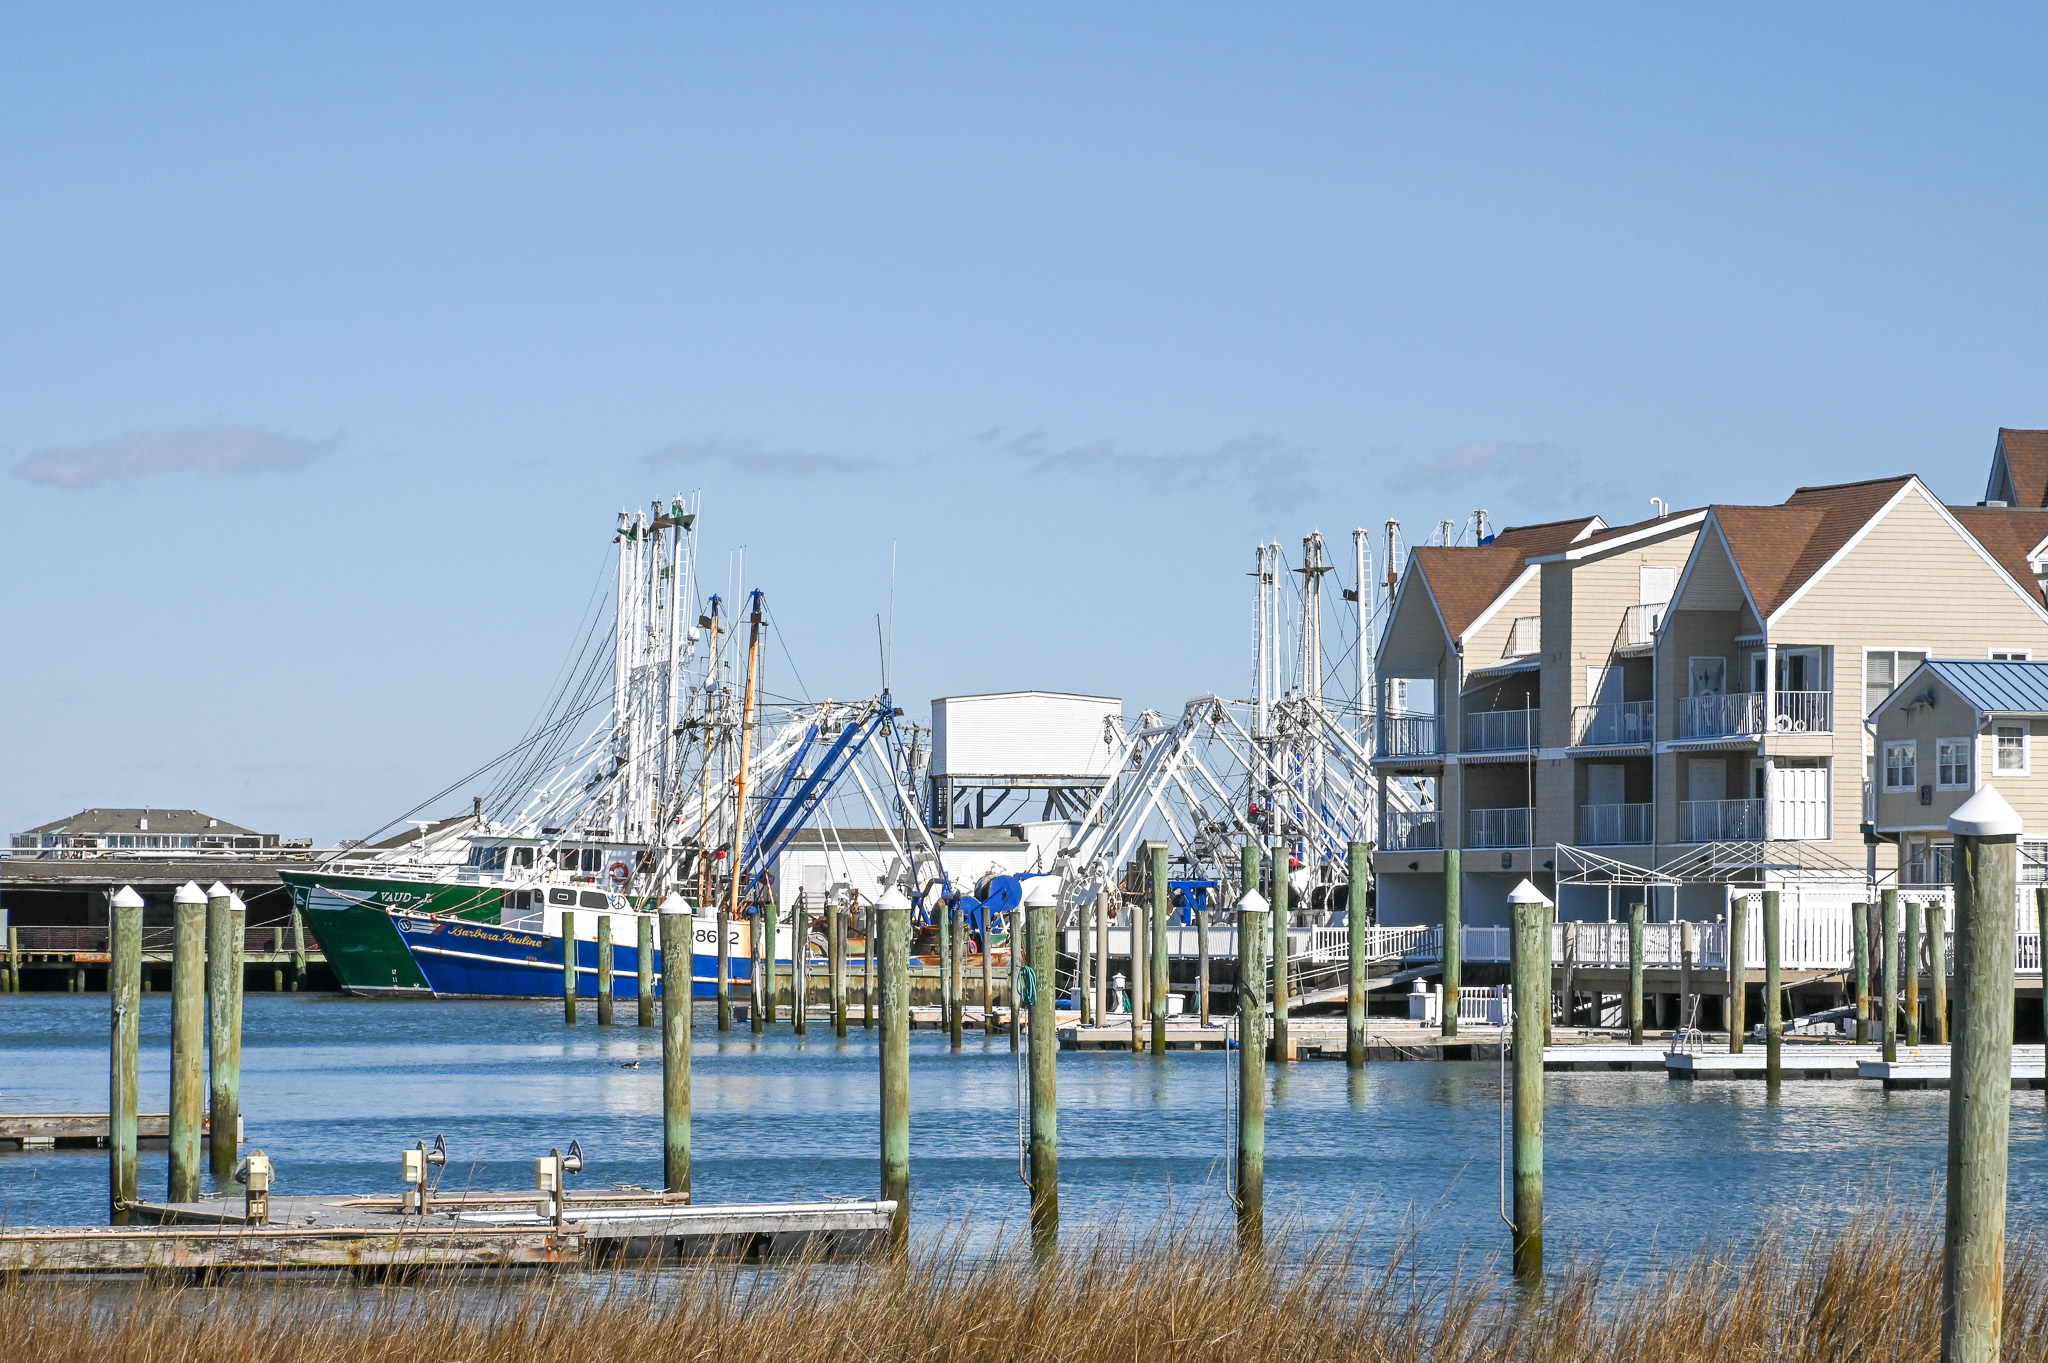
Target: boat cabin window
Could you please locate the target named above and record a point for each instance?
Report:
(593, 860)
(562, 897)
(593, 900)
(566, 858)
(522, 858)
(520, 911)
(487, 858)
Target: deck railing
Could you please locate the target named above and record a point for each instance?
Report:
(1639, 624)
(1498, 827)
(1502, 730)
(1525, 637)
(1794, 712)
(1408, 736)
(1615, 722)
(1720, 820)
(1613, 825)
(1411, 830)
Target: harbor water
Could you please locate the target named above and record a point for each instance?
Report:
(1637, 1167)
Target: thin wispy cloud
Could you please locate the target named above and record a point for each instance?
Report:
(750, 459)
(1526, 471)
(207, 451)
(1275, 478)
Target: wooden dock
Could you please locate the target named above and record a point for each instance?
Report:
(1835, 1061)
(81, 1130)
(1926, 1067)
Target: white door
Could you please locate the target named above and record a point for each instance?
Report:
(1708, 779)
(1656, 585)
(1799, 801)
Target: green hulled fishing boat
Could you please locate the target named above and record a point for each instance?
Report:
(349, 914)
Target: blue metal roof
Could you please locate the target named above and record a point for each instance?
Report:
(2002, 687)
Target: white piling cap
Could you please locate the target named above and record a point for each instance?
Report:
(127, 898)
(1041, 890)
(219, 891)
(892, 899)
(235, 904)
(675, 903)
(1985, 815)
(189, 893)
(1251, 901)
(1527, 893)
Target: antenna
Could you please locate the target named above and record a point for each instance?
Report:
(1663, 507)
(889, 654)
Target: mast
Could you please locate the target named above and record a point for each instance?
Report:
(746, 748)
(1361, 548)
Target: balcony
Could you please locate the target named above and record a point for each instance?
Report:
(1639, 625)
(1613, 825)
(1502, 730)
(1498, 827)
(1720, 820)
(1411, 830)
(1617, 722)
(1408, 736)
(1796, 712)
(1525, 637)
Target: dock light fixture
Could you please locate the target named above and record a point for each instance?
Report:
(550, 1175)
(254, 1173)
(418, 1198)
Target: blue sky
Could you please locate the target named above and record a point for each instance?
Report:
(332, 339)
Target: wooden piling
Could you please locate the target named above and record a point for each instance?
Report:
(298, 948)
(1738, 973)
(124, 989)
(988, 974)
(1909, 956)
(1888, 975)
(1638, 915)
(1282, 1051)
(1084, 971)
(568, 968)
(1020, 948)
(1937, 971)
(1980, 1079)
(1202, 965)
(724, 969)
(869, 967)
(1529, 965)
(1040, 920)
(800, 966)
(771, 924)
(188, 1039)
(1141, 937)
(224, 937)
(605, 986)
(678, 956)
(1157, 985)
(1569, 934)
(891, 923)
(1356, 967)
(1251, 1070)
(956, 980)
(1102, 958)
(1454, 946)
(1859, 952)
(942, 921)
(835, 948)
(643, 951)
(1774, 996)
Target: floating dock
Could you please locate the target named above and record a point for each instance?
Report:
(82, 1130)
(1926, 1067)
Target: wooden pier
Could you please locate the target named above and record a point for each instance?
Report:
(82, 1130)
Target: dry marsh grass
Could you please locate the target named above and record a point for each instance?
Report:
(1871, 1291)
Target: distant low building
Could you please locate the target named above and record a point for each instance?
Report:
(146, 830)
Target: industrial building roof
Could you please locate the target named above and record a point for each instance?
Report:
(1994, 687)
(182, 822)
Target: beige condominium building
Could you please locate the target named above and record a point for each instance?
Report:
(1675, 710)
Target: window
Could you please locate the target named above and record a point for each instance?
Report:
(487, 858)
(1885, 668)
(2011, 741)
(593, 859)
(1952, 763)
(522, 858)
(591, 899)
(559, 896)
(1898, 766)
(2012, 655)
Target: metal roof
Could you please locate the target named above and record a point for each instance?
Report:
(2001, 687)
(97, 822)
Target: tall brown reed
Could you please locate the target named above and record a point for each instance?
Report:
(1870, 1291)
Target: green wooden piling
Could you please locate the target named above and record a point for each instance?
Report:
(1909, 958)
(1529, 964)
(764, 1013)
(605, 987)
(643, 951)
(1356, 968)
(1019, 958)
(1738, 973)
(956, 980)
(1638, 914)
(1045, 1048)
(942, 921)
(568, 968)
(800, 966)
(835, 940)
(869, 967)
(1454, 946)
(891, 917)
(1140, 910)
(188, 1039)
(224, 937)
(1859, 948)
(298, 948)
(1282, 1050)
(1084, 993)
(1162, 907)
(724, 968)
(1251, 1070)
(124, 989)
(1774, 997)
(1888, 974)
(988, 976)
(1980, 1079)
(1937, 971)
(677, 957)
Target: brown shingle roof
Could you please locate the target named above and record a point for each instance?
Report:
(1778, 549)
(2026, 463)
(2009, 535)
(1465, 580)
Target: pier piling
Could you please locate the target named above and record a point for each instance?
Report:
(1155, 993)
(1980, 1086)
(1019, 958)
(1202, 966)
(678, 955)
(568, 968)
(298, 948)
(1282, 1052)
(1529, 950)
(188, 1039)
(1738, 973)
(1084, 972)
(1040, 920)
(1140, 936)
(1454, 945)
(764, 989)
(800, 966)
(1859, 951)
(1888, 974)
(835, 939)
(956, 980)
(124, 989)
(643, 949)
(1937, 971)
(1251, 1069)
(1355, 967)
(1910, 956)
(942, 920)
(891, 923)
(1638, 912)
(724, 970)
(1102, 914)
(605, 998)
(1774, 996)
(988, 975)
(224, 1027)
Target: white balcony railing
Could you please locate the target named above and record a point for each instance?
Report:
(1525, 637)
(1720, 820)
(1502, 730)
(1611, 825)
(1639, 624)
(1498, 827)
(1411, 830)
(1797, 712)
(1621, 721)
(1408, 736)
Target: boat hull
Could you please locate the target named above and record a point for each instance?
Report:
(350, 917)
(459, 959)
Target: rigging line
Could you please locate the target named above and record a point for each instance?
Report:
(559, 687)
(783, 641)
